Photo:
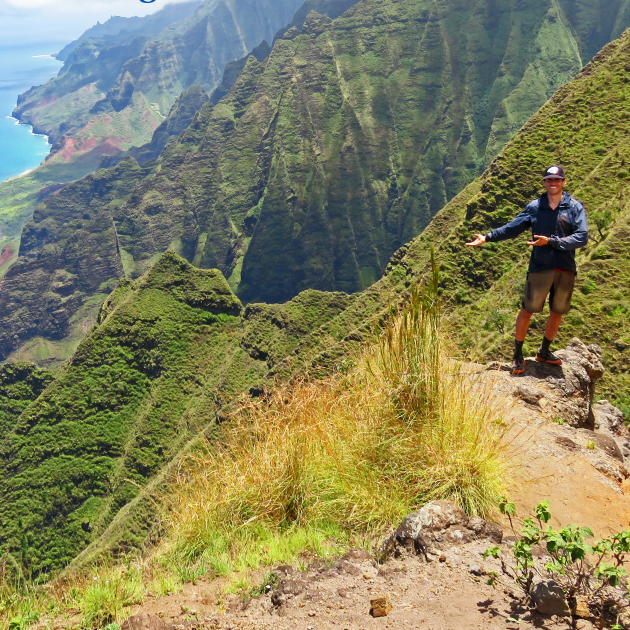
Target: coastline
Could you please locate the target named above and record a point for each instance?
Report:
(26, 66)
(33, 132)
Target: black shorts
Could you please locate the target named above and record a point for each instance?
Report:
(556, 284)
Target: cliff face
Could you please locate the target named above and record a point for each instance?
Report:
(164, 356)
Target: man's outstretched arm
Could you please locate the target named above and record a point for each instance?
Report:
(512, 229)
(480, 239)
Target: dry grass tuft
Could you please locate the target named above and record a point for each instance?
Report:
(347, 456)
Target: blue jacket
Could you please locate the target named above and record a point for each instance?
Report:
(566, 226)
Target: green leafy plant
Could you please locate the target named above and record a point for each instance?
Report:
(268, 584)
(592, 571)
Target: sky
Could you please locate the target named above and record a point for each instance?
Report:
(27, 21)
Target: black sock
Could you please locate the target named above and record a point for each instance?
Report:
(544, 348)
(518, 348)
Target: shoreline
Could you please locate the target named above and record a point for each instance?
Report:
(19, 122)
(23, 156)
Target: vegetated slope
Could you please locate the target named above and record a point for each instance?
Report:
(111, 95)
(585, 128)
(162, 360)
(20, 385)
(120, 92)
(335, 150)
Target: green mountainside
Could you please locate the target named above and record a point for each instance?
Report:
(167, 352)
(171, 350)
(113, 93)
(321, 160)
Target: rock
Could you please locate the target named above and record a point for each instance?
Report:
(581, 608)
(588, 358)
(608, 419)
(287, 589)
(483, 529)
(380, 606)
(358, 555)
(567, 443)
(146, 622)
(437, 524)
(549, 598)
(565, 392)
(618, 473)
(343, 566)
(609, 445)
(475, 568)
(528, 394)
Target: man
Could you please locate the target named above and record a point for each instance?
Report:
(559, 227)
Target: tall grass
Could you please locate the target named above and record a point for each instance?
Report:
(345, 457)
(312, 468)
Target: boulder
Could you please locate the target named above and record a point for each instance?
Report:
(564, 391)
(287, 590)
(608, 419)
(549, 599)
(437, 525)
(609, 422)
(146, 622)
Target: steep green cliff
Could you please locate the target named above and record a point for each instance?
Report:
(340, 146)
(167, 352)
(116, 94)
(20, 385)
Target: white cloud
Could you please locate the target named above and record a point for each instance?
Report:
(63, 20)
(107, 7)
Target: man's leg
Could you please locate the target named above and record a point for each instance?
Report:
(559, 304)
(537, 287)
(552, 326)
(522, 326)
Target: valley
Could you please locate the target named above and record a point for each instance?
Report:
(240, 329)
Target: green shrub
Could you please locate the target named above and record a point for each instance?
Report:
(593, 571)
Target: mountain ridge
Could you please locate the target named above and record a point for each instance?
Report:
(388, 108)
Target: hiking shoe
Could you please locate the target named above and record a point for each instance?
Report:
(518, 365)
(548, 357)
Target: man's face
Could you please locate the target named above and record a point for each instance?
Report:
(554, 185)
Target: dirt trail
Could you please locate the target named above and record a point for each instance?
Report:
(580, 471)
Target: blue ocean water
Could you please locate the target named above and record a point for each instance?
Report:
(22, 66)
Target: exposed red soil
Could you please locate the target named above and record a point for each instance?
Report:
(6, 255)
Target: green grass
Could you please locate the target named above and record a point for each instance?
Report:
(343, 459)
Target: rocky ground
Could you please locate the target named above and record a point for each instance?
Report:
(565, 448)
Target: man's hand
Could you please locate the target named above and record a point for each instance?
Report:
(480, 239)
(540, 240)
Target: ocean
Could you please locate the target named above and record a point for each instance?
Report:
(22, 66)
